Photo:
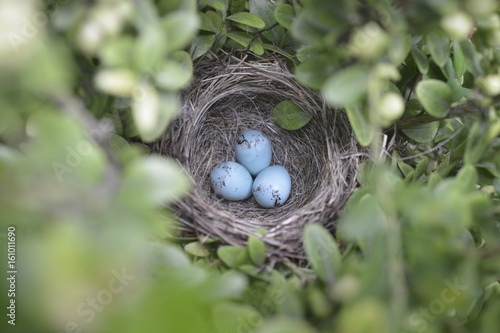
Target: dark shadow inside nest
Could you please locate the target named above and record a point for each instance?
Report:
(301, 152)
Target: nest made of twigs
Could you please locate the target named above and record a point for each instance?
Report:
(226, 99)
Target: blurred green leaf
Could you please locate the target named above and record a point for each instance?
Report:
(435, 96)
(233, 317)
(312, 52)
(290, 116)
(322, 252)
(360, 124)
(364, 219)
(247, 19)
(347, 86)
(176, 72)
(233, 256)
(150, 48)
(256, 250)
(196, 249)
(285, 324)
(174, 37)
(477, 143)
(374, 318)
(152, 111)
(154, 180)
(314, 72)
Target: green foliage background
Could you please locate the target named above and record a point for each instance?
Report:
(85, 84)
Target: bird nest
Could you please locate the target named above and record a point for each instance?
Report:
(226, 99)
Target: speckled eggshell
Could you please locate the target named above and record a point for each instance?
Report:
(232, 181)
(272, 186)
(253, 150)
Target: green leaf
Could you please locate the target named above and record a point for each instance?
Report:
(150, 48)
(233, 317)
(375, 318)
(477, 143)
(176, 72)
(467, 177)
(153, 180)
(284, 14)
(439, 47)
(256, 250)
(435, 96)
(265, 10)
(364, 219)
(473, 57)
(290, 116)
(211, 21)
(420, 59)
(152, 111)
(285, 324)
(459, 61)
(423, 133)
(236, 6)
(112, 53)
(360, 124)
(247, 19)
(244, 39)
(312, 52)
(179, 28)
(215, 4)
(233, 256)
(314, 73)
(196, 249)
(322, 252)
(200, 45)
(405, 169)
(347, 86)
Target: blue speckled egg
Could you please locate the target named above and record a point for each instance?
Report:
(253, 151)
(231, 181)
(272, 186)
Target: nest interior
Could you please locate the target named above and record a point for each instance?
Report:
(226, 99)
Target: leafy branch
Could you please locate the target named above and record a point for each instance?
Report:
(252, 41)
